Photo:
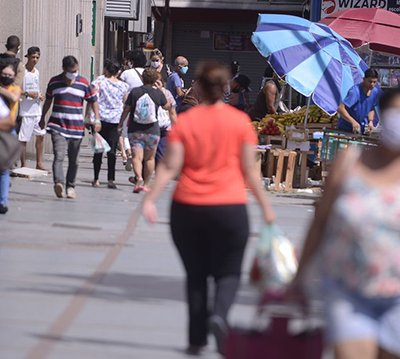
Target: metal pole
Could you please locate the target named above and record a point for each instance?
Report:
(307, 111)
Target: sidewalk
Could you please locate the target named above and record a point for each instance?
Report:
(90, 279)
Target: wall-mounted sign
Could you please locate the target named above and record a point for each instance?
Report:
(331, 6)
(225, 41)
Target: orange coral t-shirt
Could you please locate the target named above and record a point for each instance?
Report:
(212, 137)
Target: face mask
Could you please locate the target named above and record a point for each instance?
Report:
(184, 69)
(155, 64)
(390, 135)
(71, 75)
(6, 81)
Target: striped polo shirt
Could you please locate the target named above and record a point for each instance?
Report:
(67, 114)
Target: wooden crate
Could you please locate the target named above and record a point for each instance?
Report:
(281, 172)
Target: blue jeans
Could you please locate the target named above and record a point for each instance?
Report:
(4, 186)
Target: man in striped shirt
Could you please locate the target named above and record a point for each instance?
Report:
(67, 92)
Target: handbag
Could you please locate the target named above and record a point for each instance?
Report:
(286, 336)
(9, 150)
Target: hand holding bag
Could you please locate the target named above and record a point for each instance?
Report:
(9, 150)
(99, 144)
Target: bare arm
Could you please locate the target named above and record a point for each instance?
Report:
(12, 96)
(172, 115)
(270, 92)
(125, 113)
(166, 171)
(180, 91)
(371, 117)
(46, 108)
(249, 169)
(347, 117)
(95, 108)
(6, 124)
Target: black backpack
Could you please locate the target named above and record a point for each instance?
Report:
(6, 59)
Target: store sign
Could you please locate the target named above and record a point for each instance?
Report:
(331, 6)
(225, 41)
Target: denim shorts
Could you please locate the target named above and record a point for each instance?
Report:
(351, 316)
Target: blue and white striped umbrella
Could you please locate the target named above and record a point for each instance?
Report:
(316, 61)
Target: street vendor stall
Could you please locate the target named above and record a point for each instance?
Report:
(316, 62)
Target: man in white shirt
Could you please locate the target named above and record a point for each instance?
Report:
(30, 109)
(133, 76)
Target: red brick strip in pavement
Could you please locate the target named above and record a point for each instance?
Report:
(64, 321)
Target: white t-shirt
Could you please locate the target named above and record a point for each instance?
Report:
(4, 110)
(28, 105)
(132, 78)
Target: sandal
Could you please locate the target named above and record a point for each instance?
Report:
(95, 184)
(138, 186)
(111, 185)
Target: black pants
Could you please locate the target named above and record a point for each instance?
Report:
(211, 241)
(109, 131)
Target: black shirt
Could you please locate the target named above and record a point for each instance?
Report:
(159, 99)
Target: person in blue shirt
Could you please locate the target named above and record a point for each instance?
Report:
(357, 112)
(175, 82)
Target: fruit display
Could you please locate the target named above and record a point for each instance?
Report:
(271, 128)
(283, 120)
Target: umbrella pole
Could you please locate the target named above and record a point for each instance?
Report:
(307, 111)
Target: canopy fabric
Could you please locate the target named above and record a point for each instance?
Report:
(378, 28)
(316, 61)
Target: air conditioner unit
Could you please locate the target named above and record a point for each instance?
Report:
(122, 9)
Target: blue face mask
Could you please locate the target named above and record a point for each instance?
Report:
(184, 69)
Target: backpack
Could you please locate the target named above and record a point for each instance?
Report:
(7, 59)
(145, 110)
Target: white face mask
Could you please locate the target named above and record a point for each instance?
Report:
(390, 134)
(155, 64)
(72, 75)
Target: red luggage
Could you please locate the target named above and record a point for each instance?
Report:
(284, 338)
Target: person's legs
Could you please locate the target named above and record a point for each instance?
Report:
(23, 154)
(4, 190)
(137, 144)
(151, 143)
(25, 135)
(74, 146)
(188, 238)
(162, 147)
(112, 139)
(39, 152)
(97, 161)
(59, 149)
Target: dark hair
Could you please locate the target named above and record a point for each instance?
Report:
(69, 61)
(212, 78)
(268, 73)
(387, 98)
(5, 64)
(13, 42)
(137, 57)
(33, 50)
(150, 76)
(112, 66)
(371, 74)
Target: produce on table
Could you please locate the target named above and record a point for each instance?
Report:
(270, 123)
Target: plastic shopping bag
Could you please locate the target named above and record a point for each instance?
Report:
(99, 144)
(275, 262)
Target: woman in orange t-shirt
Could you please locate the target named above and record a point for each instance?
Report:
(212, 147)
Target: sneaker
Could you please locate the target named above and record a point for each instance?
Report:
(218, 328)
(71, 194)
(59, 190)
(128, 166)
(3, 209)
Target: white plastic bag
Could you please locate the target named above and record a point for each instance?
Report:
(275, 263)
(99, 144)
